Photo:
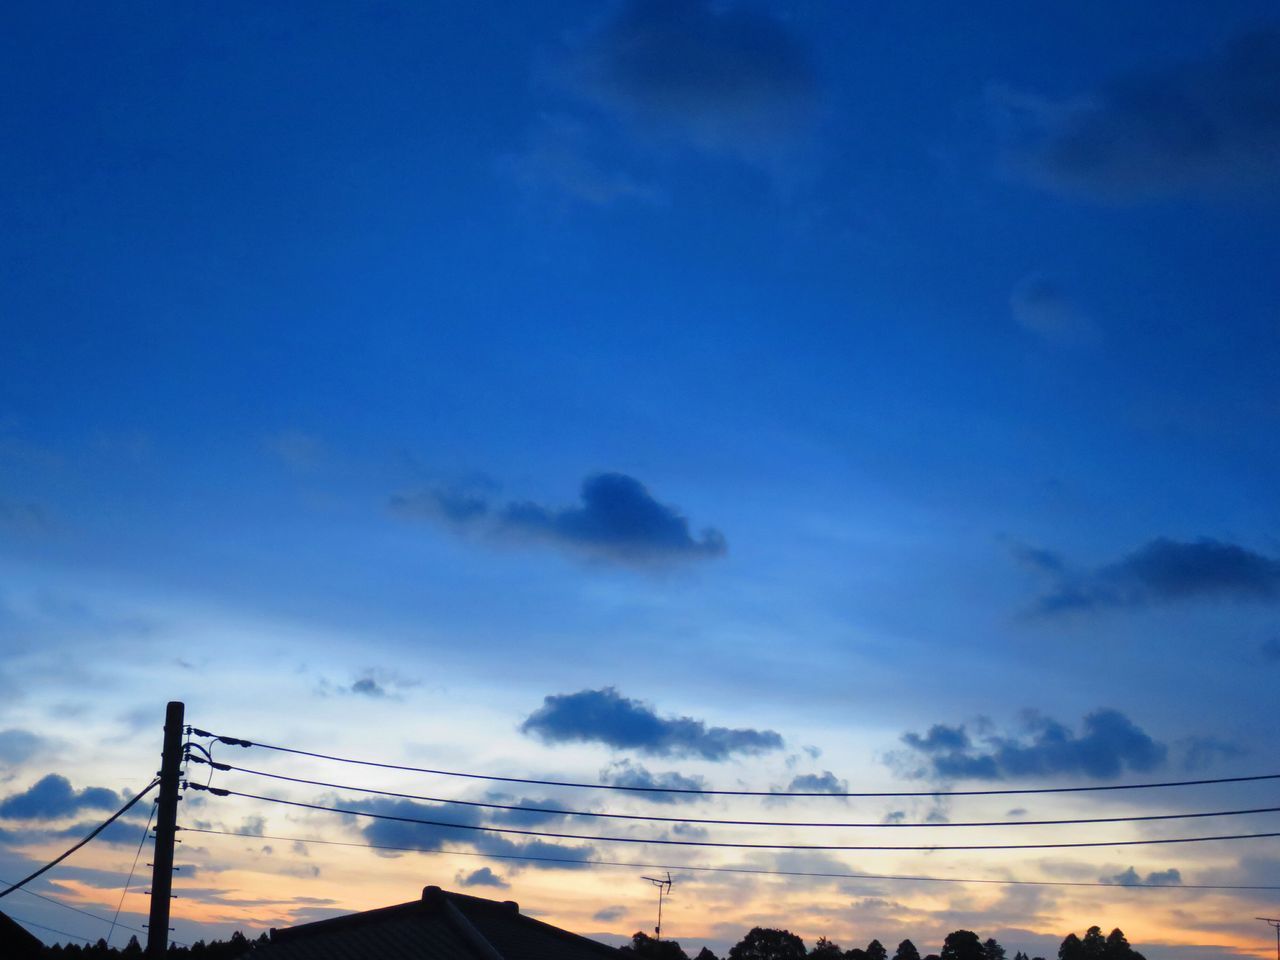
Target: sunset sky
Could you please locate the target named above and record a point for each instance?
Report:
(743, 395)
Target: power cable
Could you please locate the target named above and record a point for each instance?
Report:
(125, 892)
(239, 742)
(61, 933)
(67, 906)
(217, 791)
(736, 823)
(93, 833)
(749, 870)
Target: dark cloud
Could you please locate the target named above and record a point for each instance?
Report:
(610, 914)
(1162, 571)
(418, 836)
(484, 877)
(624, 773)
(17, 746)
(1109, 744)
(618, 520)
(1165, 878)
(825, 782)
(1040, 305)
(369, 687)
(722, 77)
(53, 797)
(1209, 124)
(605, 716)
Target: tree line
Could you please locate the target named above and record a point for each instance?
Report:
(760, 943)
(766, 943)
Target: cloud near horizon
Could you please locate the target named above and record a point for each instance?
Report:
(1109, 744)
(607, 717)
(618, 520)
(1209, 124)
(1161, 571)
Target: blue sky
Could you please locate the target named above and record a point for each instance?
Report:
(826, 373)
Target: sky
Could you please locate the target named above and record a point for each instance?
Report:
(746, 395)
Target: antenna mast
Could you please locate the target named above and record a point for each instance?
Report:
(664, 890)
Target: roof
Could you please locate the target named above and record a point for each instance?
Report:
(440, 926)
(16, 941)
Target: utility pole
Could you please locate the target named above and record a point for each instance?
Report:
(1275, 923)
(166, 828)
(664, 889)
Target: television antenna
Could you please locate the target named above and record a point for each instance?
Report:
(1275, 923)
(664, 890)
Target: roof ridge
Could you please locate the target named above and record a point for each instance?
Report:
(469, 932)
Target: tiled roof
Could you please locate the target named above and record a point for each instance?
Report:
(440, 926)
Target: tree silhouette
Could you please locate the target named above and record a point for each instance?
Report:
(646, 947)
(876, 951)
(824, 949)
(765, 943)
(706, 954)
(1071, 949)
(907, 951)
(1094, 944)
(993, 949)
(962, 945)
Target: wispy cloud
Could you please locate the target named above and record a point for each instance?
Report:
(727, 78)
(1207, 124)
(606, 716)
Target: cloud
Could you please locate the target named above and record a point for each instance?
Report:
(605, 716)
(1109, 744)
(624, 773)
(610, 914)
(719, 76)
(17, 746)
(369, 687)
(618, 520)
(53, 797)
(484, 877)
(1164, 878)
(1209, 124)
(1201, 753)
(825, 782)
(1161, 571)
(1040, 306)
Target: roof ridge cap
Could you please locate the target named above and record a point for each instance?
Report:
(469, 932)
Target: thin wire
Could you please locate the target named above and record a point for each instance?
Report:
(93, 833)
(61, 933)
(60, 903)
(125, 892)
(741, 823)
(709, 843)
(238, 742)
(750, 870)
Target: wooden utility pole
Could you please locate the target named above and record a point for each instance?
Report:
(166, 828)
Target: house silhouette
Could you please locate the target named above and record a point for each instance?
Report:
(440, 926)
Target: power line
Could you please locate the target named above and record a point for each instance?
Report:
(67, 906)
(61, 933)
(748, 870)
(93, 833)
(736, 845)
(737, 823)
(239, 742)
(125, 892)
